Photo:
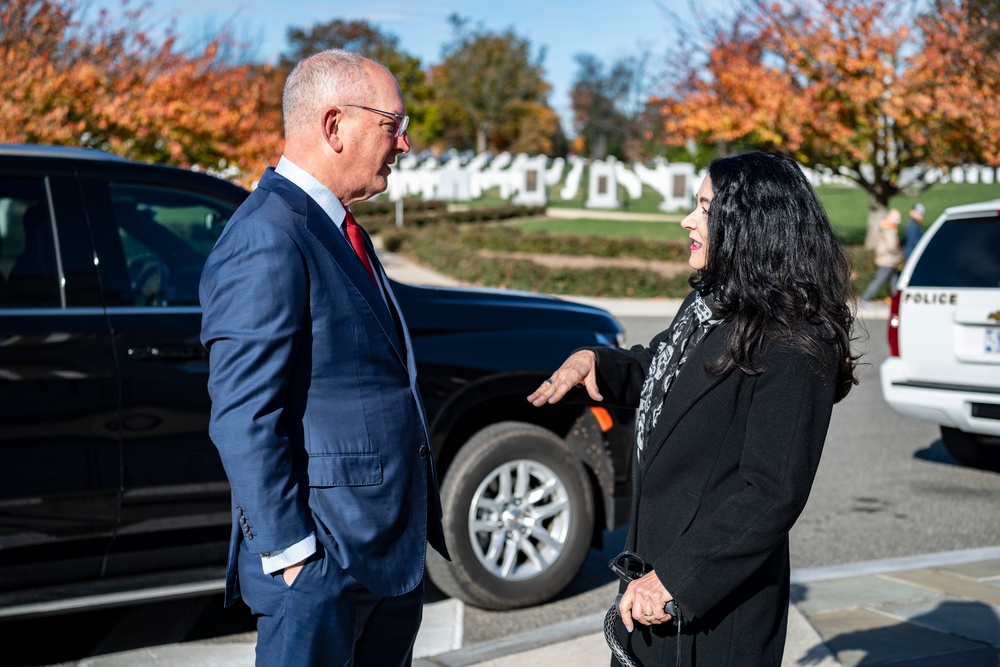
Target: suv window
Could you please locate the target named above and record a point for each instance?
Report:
(166, 235)
(963, 253)
(29, 271)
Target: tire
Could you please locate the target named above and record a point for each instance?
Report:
(518, 518)
(977, 451)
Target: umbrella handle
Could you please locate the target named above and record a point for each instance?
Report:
(619, 651)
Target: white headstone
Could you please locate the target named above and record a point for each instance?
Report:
(555, 172)
(453, 183)
(628, 179)
(573, 178)
(682, 184)
(529, 181)
(602, 190)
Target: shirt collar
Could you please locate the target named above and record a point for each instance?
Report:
(312, 187)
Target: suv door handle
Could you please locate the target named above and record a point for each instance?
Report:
(166, 352)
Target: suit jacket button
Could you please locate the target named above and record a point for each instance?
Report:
(423, 450)
(249, 536)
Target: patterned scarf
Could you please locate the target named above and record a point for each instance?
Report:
(688, 329)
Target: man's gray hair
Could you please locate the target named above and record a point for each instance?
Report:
(326, 79)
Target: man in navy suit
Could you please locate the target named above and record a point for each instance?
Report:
(315, 408)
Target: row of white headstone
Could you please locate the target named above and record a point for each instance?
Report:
(525, 179)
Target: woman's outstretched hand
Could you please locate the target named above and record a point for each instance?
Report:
(580, 368)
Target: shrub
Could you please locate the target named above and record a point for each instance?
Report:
(454, 251)
(380, 215)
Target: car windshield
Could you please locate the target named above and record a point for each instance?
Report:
(962, 253)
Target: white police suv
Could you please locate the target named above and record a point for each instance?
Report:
(944, 333)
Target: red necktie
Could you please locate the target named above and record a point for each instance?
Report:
(358, 243)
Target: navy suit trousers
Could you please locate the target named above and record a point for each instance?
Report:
(326, 618)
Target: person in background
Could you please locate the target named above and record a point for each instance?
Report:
(734, 401)
(315, 408)
(913, 230)
(888, 257)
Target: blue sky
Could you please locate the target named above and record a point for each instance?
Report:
(608, 29)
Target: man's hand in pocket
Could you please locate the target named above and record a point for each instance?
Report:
(292, 571)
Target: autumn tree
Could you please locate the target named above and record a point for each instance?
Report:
(861, 88)
(612, 114)
(370, 41)
(596, 118)
(983, 16)
(488, 83)
(111, 85)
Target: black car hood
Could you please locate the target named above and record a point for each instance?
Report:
(429, 309)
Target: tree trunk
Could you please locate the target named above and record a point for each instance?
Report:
(600, 147)
(482, 139)
(876, 214)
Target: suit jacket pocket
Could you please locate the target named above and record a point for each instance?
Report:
(344, 470)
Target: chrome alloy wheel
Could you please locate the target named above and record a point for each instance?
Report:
(519, 519)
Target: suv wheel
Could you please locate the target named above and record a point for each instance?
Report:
(518, 518)
(971, 449)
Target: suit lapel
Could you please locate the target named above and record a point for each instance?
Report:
(325, 230)
(690, 385)
(399, 342)
(319, 224)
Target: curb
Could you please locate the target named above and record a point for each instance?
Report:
(519, 643)
(803, 645)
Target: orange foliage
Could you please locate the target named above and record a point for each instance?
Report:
(963, 70)
(116, 88)
(846, 84)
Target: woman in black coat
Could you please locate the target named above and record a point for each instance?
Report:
(734, 403)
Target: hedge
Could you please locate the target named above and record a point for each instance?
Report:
(381, 214)
(453, 250)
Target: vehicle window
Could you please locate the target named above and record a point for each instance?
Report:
(962, 253)
(29, 269)
(166, 236)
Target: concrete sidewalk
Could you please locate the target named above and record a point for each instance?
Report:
(936, 609)
(931, 610)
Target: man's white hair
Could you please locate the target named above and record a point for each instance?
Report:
(322, 80)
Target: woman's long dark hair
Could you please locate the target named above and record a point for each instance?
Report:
(775, 268)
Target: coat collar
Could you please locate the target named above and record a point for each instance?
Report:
(691, 384)
(328, 234)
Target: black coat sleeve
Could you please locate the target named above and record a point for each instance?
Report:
(621, 373)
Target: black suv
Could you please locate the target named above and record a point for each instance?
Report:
(110, 489)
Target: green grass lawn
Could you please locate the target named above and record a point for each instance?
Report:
(846, 207)
(649, 202)
(615, 229)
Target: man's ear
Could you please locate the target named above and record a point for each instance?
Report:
(332, 127)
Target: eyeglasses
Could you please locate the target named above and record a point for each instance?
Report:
(404, 121)
(629, 566)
